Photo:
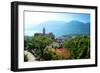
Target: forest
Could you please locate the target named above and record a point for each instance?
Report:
(44, 48)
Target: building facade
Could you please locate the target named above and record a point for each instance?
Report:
(50, 34)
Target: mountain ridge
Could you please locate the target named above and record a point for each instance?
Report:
(63, 27)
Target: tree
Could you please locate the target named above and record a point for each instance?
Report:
(79, 46)
(40, 42)
(27, 43)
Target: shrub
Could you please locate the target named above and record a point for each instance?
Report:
(25, 58)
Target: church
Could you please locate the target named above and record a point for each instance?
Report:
(50, 34)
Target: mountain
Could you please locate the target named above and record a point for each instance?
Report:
(59, 28)
(77, 27)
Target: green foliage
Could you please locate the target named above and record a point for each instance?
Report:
(27, 43)
(50, 54)
(53, 54)
(40, 42)
(25, 58)
(79, 47)
(44, 48)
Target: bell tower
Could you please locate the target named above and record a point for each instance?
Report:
(43, 31)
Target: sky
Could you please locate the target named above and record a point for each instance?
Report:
(34, 20)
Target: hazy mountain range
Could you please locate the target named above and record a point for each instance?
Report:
(59, 28)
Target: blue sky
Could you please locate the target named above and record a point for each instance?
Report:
(34, 21)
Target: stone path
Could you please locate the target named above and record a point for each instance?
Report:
(30, 56)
